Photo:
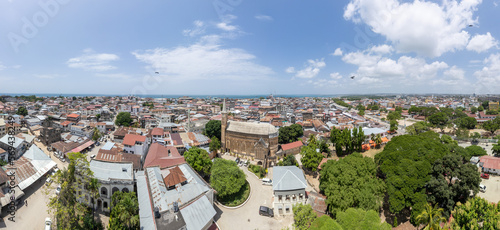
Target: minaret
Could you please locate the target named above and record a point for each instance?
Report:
(223, 127)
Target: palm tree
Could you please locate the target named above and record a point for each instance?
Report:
(431, 217)
(378, 140)
(96, 134)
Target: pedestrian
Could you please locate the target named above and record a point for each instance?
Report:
(26, 202)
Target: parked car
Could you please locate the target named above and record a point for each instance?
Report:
(93, 156)
(48, 223)
(485, 175)
(482, 188)
(58, 190)
(237, 160)
(48, 181)
(267, 181)
(265, 211)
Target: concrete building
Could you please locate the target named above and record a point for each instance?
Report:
(20, 146)
(174, 198)
(113, 177)
(289, 188)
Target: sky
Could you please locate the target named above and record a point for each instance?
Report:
(249, 47)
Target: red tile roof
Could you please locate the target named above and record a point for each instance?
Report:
(292, 145)
(157, 132)
(158, 155)
(73, 115)
(490, 162)
(65, 123)
(131, 139)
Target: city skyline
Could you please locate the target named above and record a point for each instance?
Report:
(249, 47)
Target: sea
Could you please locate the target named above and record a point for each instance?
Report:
(168, 96)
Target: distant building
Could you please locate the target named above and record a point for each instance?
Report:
(136, 144)
(493, 105)
(20, 146)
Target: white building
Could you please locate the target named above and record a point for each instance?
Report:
(136, 144)
(113, 177)
(289, 188)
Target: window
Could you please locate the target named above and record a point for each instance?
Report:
(104, 191)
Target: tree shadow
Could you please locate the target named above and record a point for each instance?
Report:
(402, 217)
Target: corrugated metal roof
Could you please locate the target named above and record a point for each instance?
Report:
(198, 214)
(32, 165)
(108, 145)
(147, 220)
(288, 178)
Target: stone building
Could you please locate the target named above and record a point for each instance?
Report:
(256, 140)
(49, 134)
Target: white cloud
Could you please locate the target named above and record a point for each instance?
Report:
(312, 69)
(262, 17)
(489, 76)
(113, 75)
(320, 83)
(92, 61)
(2, 67)
(480, 43)
(338, 52)
(360, 59)
(290, 70)
(335, 76)
(199, 28)
(206, 59)
(453, 76)
(226, 27)
(381, 49)
(423, 27)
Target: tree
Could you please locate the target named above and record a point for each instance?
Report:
(289, 134)
(473, 110)
(406, 164)
(378, 140)
(98, 116)
(474, 151)
(485, 104)
(65, 207)
(199, 160)
(125, 211)
(303, 216)
(492, 112)
(360, 219)
(480, 108)
(311, 157)
(462, 133)
(431, 217)
(226, 178)
(22, 111)
(325, 223)
(496, 148)
(289, 161)
(439, 120)
(361, 113)
(452, 180)
(351, 182)
(417, 128)
(393, 116)
(96, 134)
(491, 126)
(467, 122)
(393, 125)
(213, 128)
(214, 144)
(123, 119)
(334, 136)
(476, 213)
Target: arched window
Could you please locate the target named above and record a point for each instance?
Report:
(125, 190)
(104, 191)
(115, 189)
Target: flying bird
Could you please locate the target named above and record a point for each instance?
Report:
(157, 72)
(353, 77)
(471, 25)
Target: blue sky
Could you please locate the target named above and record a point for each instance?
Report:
(249, 47)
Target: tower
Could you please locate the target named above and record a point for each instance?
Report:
(223, 127)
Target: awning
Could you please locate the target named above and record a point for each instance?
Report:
(82, 147)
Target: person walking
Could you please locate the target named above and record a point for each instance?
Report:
(26, 202)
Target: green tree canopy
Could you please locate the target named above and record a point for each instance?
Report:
(466, 122)
(480, 108)
(325, 223)
(418, 127)
(393, 125)
(351, 182)
(473, 110)
(431, 218)
(474, 151)
(123, 119)
(439, 120)
(214, 144)
(492, 125)
(406, 163)
(303, 216)
(125, 211)
(360, 219)
(213, 128)
(289, 161)
(289, 134)
(452, 181)
(199, 160)
(476, 213)
(226, 178)
(22, 111)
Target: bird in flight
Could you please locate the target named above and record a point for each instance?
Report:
(353, 77)
(157, 72)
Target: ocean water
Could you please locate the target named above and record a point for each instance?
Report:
(168, 96)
